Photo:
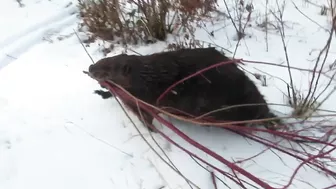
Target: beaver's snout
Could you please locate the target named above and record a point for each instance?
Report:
(97, 74)
(100, 75)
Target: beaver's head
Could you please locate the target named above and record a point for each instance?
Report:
(117, 69)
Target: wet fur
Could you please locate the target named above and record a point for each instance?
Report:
(146, 77)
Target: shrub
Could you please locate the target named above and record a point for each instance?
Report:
(137, 21)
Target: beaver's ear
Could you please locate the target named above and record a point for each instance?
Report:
(126, 69)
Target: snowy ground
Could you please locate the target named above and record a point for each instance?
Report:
(55, 133)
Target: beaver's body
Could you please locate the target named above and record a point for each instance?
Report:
(147, 77)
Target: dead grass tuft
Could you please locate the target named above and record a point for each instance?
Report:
(141, 20)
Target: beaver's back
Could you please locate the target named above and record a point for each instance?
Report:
(225, 85)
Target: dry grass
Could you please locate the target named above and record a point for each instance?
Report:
(141, 20)
(20, 3)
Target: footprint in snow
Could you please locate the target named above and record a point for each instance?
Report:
(5, 144)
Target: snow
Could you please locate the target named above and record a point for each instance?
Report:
(55, 133)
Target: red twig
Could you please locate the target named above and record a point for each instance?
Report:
(221, 159)
(193, 142)
(306, 161)
(213, 178)
(262, 141)
(311, 159)
(330, 187)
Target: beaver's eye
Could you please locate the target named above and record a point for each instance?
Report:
(126, 69)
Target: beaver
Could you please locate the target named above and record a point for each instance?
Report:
(147, 77)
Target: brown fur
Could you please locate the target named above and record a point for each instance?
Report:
(146, 77)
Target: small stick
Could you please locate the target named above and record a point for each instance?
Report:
(83, 46)
(213, 179)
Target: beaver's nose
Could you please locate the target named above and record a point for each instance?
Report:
(94, 72)
(91, 68)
